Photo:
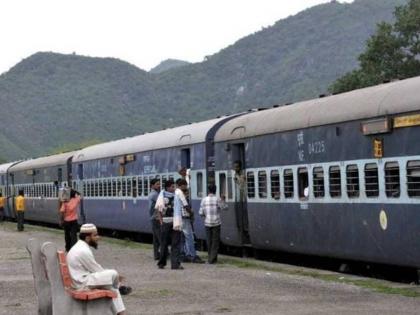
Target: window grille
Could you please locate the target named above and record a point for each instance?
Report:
(262, 184)
(250, 184)
(392, 180)
(275, 184)
(371, 180)
(352, 180)
(288, 183)
(335, 182)
(413, 179)
(199, 184)
(318, 182)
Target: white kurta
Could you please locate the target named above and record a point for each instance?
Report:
(86, 273)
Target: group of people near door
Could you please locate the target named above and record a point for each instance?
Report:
(172, 221)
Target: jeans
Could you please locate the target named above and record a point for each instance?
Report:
(169, 235)
(189, 246)
(156, 238)
(20, 218)
(70, 233)
(213, 241)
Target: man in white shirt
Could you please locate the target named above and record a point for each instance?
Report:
(86, 273)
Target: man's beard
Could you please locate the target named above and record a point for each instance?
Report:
(93, 244)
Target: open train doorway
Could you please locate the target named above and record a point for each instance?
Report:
(240, 188)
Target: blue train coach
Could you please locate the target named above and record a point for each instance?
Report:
(337, 176)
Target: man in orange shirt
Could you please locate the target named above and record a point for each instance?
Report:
(68, 212)
(20, 210)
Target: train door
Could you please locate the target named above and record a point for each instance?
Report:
(240, 188)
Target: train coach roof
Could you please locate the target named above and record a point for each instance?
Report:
(390, 98)
(46, 161)
(5, 167)
(178, 136)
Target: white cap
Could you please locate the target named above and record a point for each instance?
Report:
(88, 228)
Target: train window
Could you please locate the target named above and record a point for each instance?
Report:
(250, 179)
(262, 184)
(335, 181)
(303, 182)
(230, 186)
(164, 179)
(222, 184)
(352, 180)
(84, 189)
(101, 189)
(275, 184)
(119, 188)
(129, 187)
(146, 186)
(413, 178)
(124, 187)
(140, 186)
(109, 187)
(371, 180)
(392, 180)
(318, 182)
(199, 184)
(288, 183)
(134, 187)
(171, 178)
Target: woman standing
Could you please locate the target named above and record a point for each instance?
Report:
(68, 212)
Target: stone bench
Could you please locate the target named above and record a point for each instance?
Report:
(53, 285)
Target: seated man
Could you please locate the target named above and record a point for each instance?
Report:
(86, 273)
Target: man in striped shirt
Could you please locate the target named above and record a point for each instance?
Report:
(210, 209)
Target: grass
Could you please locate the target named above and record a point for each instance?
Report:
(375, 285)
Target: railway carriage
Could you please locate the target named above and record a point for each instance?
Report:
(115, 176)
(5, 189)
(40, 179)
(337, 176)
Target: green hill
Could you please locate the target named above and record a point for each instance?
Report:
(52, 102)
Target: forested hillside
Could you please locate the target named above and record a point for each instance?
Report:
(52, 102)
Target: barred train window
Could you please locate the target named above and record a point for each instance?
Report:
(124, 187)
(335, 182)
(275, 184)
(109, 187)
(101, 189)
(146, 186)
(318, 182)
(392, 180)
(262, 184)
(199, 184)
(140, 186)
(413, 178)
(229, 186)
(119, 187)
(303, 182)
(250, 179)
(288, 183)
(222, 184)
(371, 180)
(134, 187)
(129, 192)
(352, 174)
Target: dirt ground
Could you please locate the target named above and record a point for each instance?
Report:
(235, 286)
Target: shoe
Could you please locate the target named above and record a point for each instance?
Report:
(161, 266)
(188, 259)
(197, 260)
(125, 290)
(178, 268)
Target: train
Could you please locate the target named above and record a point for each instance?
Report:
(337, 176)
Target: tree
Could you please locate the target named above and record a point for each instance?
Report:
(393, 52)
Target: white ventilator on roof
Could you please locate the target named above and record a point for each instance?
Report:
(46, 161)
(5, 167)
(178, 136)
(381, 100)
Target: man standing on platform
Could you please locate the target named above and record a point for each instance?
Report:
(20, 210)
(153, 196)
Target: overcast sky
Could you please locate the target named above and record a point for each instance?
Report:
(142, 32)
